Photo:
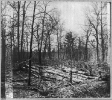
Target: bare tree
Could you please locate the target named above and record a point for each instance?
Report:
(22, 36)
(3, 47)
(18, 34)
(42, 33)
(30, 56)
(69, 41)
(103, 24)
(59, 30)
(95, 22)
(87, 30)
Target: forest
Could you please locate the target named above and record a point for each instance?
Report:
(40, 58)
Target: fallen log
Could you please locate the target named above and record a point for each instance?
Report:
(57, 74)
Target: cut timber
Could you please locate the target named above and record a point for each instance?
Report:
(65, 76)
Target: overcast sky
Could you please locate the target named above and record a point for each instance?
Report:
(72, 14)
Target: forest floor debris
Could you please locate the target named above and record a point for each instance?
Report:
(63, 88)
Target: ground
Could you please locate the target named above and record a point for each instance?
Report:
(61, 88)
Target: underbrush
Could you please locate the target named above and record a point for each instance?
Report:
(89, 90)
(100, 91)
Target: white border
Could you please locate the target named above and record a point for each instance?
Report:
(65, 98)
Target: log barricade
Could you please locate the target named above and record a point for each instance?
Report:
(50, 74)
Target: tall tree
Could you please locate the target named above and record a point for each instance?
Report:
(94, 20)
(103, 25)
(3, 47)
(18, 34)
(22, 36)
(30, 56)
(87, 30)
(69, 41)
(42, 34)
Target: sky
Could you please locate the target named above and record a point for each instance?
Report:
(72, 14)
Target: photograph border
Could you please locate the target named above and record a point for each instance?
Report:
(110, 56)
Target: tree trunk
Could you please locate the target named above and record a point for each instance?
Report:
(13, 39)
(3, 51)
(44, 52)
(71, 63)
(49, 49)
(27, 47)
(3, 55)
(40, 57)
(86, 52)
(31, 44)
(79, 55)
(97, 47)
(58, 44)
(18, 29)
(86, 49)
(22, 36)
(11, 42)
(42, 36)
(102, 39)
